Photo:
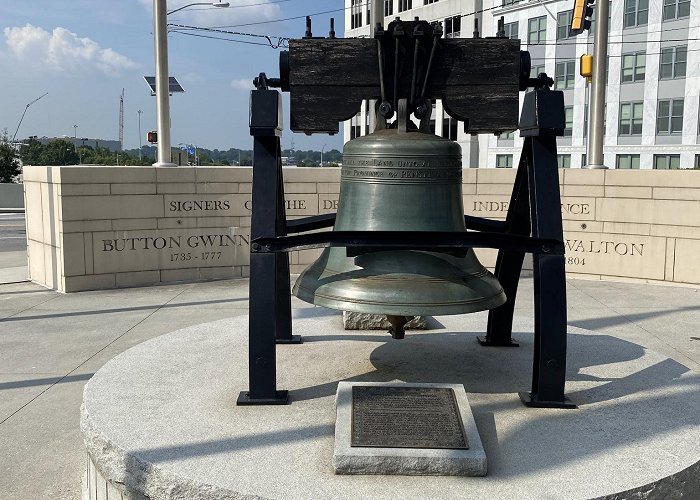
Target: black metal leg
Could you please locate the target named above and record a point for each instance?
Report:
(509, 264)
(270, 307)
(262, 325)
(283, 302)
(549, 358)
(500, 323)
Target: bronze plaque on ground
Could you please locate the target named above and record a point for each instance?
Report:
(406, 417)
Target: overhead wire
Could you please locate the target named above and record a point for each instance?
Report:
(282, 41)
(273, 41)
(270, 44)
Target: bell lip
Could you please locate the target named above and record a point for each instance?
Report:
(443, 309)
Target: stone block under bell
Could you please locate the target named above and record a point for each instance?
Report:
(367, 321)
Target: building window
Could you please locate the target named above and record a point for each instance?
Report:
(636, 12)
(564, 75)
(676, 9)
(355, 14)
(355, 127)
(428, 2)
(631, 114)
(536, 70)
(536, 30)
(449, 128)
(667, 162)
(633, 67)
(673, 62)
(697, 162)
(669, 117)
(453, 26)
(583, 159)
(569, 117)
(388, 8)
(507, 136)
(563, 24)
(366, 124)
(627, 161)
(405, 5)
(511, 30)
(504, 161)
(564, 161)
(509, 2)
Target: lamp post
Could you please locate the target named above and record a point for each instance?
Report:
(212, 4)
(75, 143)
(140, 143)
(25, 112)
(160, 33)
(595, 158)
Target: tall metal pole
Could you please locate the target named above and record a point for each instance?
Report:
(24, 113)
(376, 15)
(140, 143)
(600, 59)
(160, 31)
(75, 143)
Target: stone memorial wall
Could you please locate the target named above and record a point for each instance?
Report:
(94, 228)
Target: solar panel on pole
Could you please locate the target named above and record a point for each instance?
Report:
(173, 85)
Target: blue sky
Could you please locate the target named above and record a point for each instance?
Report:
(83, 52)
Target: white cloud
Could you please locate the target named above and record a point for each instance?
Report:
(242, 84)
(239, 12)
(62, 50)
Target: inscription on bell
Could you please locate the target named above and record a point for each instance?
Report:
(406, 417)
(426, 173)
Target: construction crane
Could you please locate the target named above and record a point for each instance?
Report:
(121, 121)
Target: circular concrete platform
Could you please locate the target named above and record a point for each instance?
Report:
(161, 420)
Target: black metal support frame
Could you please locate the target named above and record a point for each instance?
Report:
(533, 225)
(270, 319)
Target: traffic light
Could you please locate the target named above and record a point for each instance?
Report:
(586, 66)
(152, 137)
(581, 16)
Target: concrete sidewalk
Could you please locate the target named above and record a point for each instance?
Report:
(51, 344)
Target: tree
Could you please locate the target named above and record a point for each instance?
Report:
(57, 152)
(10, 166)
(32, 152)
(60, 152)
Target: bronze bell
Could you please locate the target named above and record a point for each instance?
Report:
(396, 180)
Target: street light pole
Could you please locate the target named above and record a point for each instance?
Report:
(25, 112)
(212, 4)
(140, 143)
(600, 59)
(75, 143)
(160, 32)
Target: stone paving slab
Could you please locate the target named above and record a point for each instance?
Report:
(154, 422)
(30, 472)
